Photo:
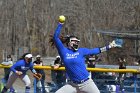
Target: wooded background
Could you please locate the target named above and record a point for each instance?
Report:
(25, 25)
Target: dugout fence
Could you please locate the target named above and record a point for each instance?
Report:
(104, 79)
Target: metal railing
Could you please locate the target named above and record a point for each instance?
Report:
(135, 72)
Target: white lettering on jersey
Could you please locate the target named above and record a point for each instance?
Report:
(24, 68)
(69, 56)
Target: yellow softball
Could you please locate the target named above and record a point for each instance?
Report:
(62, 19)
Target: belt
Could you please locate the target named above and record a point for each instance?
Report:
(79, 82)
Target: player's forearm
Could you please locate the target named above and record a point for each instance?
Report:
(13, 69)
(58, 43)
(103, 49)
(115, 43)
(33, 71)
(57, 31)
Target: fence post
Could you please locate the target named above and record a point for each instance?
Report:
(135, 83)
(34, 85)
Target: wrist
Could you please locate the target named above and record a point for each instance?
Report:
(109, 46)
(106, 48)
(16, 71)
(61, 23)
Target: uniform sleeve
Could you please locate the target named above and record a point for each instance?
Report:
(17, 64)
(93, 51)
(32, 69)
(58, 43)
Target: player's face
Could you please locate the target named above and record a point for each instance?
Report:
(74, 43)
(28, 59)
(9, 59)
(38, 58)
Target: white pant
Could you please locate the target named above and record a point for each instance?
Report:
(86, 87)
(14, 76)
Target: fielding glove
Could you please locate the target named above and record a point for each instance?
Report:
(116, 43)
(38, 76)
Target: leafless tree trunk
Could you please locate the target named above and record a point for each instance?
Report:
(28, 23)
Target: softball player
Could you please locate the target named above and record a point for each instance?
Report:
(74, 61)
(19, 70)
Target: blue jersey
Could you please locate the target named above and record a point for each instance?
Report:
(22, 66)
(74, 61)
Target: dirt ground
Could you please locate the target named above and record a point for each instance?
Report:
(19, 85)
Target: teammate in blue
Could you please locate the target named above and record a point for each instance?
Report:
(19, 70)
(74, 62)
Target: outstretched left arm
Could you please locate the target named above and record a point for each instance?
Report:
(95, 51)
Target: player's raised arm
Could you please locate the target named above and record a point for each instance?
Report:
(56, 38)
